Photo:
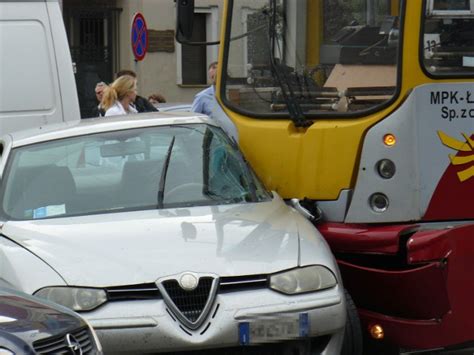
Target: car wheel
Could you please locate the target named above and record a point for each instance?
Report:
(352, 344)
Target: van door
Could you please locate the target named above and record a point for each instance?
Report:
(37, 82)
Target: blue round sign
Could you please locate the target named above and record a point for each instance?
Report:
(139, 36)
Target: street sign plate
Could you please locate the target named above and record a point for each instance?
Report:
(139, 36)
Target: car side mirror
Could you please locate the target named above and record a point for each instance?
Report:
(184, 19)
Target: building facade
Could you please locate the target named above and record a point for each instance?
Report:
(99, 34)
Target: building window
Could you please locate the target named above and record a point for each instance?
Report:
(93, 35)
(194, 60)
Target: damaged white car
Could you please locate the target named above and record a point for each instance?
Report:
(156, 230)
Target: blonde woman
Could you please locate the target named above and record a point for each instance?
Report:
(119, 96)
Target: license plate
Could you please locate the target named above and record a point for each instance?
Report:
(274, 329)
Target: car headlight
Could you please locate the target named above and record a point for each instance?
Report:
(75, 298)
(4, 351)
(301, 280)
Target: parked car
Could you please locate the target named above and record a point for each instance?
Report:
(157, 231)
(174, 106)
(29, 325)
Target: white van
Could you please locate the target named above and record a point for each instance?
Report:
(37, 85)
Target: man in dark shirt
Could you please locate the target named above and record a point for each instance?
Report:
(97, 110)
(141, 103)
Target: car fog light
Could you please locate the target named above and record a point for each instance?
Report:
(378, 202)
(386, 168)
(376, 331)
(75, 298)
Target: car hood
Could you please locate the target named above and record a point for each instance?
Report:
(142, 246)
(30, 319)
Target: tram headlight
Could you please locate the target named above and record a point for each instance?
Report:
(386, 168)
(378, 202)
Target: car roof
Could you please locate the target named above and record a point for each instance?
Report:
(104, 124)
(174, 106)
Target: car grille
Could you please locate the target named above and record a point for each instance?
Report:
(133, 292)
(58, 344)
(189, 307)
(242, 283)
(150, 290)
(189, 303)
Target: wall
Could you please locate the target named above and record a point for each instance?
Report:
(158, 72)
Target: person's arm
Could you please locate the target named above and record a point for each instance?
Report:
(197, 105)
(143, 105)
(149, 106)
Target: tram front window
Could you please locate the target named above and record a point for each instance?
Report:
(337, 59)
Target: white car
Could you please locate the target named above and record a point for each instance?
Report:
(174, 107)
(155, 229)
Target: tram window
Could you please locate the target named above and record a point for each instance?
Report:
(352, 68)
(448, 38)
(453, 5)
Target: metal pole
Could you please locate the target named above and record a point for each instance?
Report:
(371, 12)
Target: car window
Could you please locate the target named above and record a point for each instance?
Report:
(227, 172)
(158, 167)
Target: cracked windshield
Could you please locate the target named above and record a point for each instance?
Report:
(274, 67)
(135, 169)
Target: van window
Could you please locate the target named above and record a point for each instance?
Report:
(25, 67)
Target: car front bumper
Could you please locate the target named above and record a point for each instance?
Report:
(142, 326)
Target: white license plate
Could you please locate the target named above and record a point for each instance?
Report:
(273, 329)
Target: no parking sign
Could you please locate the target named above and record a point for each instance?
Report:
(139, 36)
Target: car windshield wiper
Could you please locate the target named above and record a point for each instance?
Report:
(161, 188)
(293, 106)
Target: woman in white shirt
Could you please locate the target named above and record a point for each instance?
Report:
(119, 96)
